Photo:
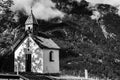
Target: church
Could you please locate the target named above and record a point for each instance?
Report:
(33, 52)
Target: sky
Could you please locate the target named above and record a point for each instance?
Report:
(42, 9)
(45, 9)
(111, 2)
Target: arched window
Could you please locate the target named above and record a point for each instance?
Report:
(51, 54)
(29, 28)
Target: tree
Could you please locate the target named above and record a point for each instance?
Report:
(73, 7)
(6, 15)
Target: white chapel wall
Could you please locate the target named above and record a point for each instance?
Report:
(37, 57)
(48, 66)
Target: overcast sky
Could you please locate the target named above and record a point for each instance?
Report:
(45, 9)
(111, 2)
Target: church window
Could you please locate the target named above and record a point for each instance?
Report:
(51, 56)
(29, 28)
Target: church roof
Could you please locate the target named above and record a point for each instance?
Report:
(47, 42)
(31, 19)
(42, 41)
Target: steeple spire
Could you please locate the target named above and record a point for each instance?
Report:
(31, 19)
(31, 23)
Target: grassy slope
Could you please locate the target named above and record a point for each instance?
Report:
(84, 46)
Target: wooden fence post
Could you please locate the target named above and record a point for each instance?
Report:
(86, 74)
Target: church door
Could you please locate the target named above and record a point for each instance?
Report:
(28, 62)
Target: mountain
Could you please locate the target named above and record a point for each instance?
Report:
(86, 43)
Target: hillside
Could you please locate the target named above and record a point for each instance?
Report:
(86, 43)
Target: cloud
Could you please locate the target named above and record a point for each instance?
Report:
(110, 2)
(95, 1)
(42, 9)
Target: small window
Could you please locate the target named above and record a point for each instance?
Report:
(29, 28)
(51, 56)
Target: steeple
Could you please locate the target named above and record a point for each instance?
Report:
(31, 22)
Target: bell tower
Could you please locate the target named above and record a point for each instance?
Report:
(31, 23)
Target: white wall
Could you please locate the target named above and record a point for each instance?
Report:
(36, 58)
(40, 58)
(20, 53)
(50, 67)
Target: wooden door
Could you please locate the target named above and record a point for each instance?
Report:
(28, 62)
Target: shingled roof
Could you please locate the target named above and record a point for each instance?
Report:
(46, 42)
(42, 41)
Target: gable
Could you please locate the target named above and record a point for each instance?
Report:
(24, 44)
